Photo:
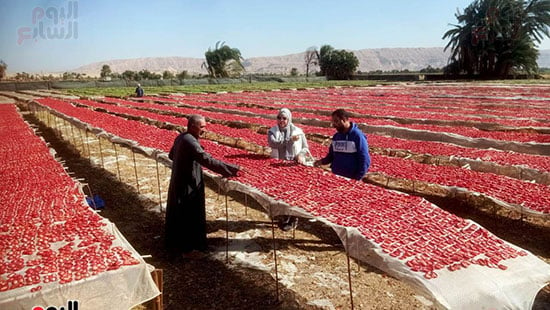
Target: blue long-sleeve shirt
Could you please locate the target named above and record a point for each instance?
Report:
(349, 154)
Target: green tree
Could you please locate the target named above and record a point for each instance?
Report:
(3, 68)
(495, 37)
(167, 75)
(23, 76)
(105, 71)
(145, 74)
(324, 58)
(337, 64)
(129, 75)
(223, 61)
(68, 76)
(182, 75)
(430, 69)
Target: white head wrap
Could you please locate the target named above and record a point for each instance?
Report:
(286, 113)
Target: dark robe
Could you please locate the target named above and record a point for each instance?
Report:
(185, 228)
(139, 91)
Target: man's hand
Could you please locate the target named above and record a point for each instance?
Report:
(317, 163)
(233, 170)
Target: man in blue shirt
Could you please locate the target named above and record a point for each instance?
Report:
(349, 151)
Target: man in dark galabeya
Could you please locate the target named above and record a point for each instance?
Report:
(185, 230)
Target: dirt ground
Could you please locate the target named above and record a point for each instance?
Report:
(311, 263)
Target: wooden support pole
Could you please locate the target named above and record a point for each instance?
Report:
(82, 141)
(67, 131)
(349, 272)
(157, 303)
(55, 128)
(72, 134)
(117, 165)
(135, 171)
(88, 145)
(91, 196)
(245, 204)
(101, 153)
(274, 254)
(48, 119)
(158, 184)
(226, 230)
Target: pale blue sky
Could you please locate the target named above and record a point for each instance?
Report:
(110, 29)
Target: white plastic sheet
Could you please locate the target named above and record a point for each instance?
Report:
(474, 287)
(119, 289)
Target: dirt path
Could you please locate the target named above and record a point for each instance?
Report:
(312, 265)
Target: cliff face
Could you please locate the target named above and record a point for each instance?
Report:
(385, 59)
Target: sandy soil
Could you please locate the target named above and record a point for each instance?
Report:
(311, 263)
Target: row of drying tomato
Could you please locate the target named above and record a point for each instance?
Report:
(522, 103)
(236, 133)
(391, 102)
(419, 147)
(47, 232)
(149, 136)
(386, 119)
(530, 96)
(407, 228)
(386, 108)
(530, 195)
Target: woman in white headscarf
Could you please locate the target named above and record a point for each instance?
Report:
(286, 140)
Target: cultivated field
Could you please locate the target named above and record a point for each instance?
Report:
(457, 198)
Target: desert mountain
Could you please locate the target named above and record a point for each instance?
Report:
(385, 59)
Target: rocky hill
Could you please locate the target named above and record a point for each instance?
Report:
(385, 59)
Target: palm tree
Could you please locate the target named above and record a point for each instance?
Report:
(495, 37)
(223, 61)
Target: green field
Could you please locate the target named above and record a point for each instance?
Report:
(256, 86)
